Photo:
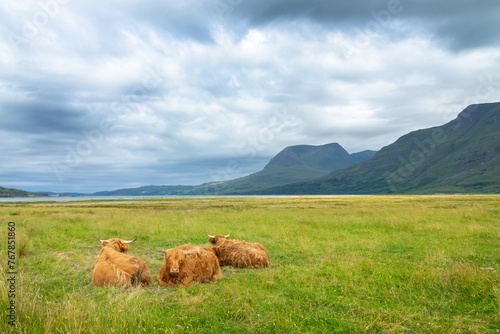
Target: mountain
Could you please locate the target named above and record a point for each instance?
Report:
(10, 192)
(362, 156)
(462, 156)
(292, 164)
(146, 191)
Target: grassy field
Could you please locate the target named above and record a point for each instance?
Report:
(388, 264)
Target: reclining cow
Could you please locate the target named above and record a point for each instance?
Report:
(239, 254)
(187, 264)
(114, 267)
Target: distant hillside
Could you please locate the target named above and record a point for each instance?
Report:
(50, 193)
(146, 191)
(462, 156)
(10, 192)
(292, 164)
(362, 156)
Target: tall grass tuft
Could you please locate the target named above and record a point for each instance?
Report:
(24, 244)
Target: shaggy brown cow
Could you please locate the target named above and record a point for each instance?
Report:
(114, 267)
(187, 264)
(239, 254)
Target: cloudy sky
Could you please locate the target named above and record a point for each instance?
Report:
(106, 95)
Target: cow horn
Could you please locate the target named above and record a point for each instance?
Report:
(163, 251)
(129, 241)
(210, 236)
(101, 241)
(227, 236)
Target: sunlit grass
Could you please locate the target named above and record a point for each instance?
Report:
(339, 264)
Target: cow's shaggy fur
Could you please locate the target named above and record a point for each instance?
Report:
(187, 264)
(114, 267)
(240, 254)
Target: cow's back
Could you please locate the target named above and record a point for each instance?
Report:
(204, 266)
(115, 268)
(242, 254)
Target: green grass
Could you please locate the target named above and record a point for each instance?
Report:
(376, 264)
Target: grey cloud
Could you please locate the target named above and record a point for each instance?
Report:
(465, 33)
(264, 12)
(47, 118)
(182, 19)
(463, 24)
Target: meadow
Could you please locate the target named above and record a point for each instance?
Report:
(360, 264)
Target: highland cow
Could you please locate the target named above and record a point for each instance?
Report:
(239, 254)
(114, 267)
(187, 264)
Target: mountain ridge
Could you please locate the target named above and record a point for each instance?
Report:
(292, 164)
(462, 155)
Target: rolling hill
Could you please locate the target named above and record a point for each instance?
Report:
(11, 192)
(292, 164)
(462, 156)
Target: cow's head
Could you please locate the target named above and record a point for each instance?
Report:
(214, 239)
(175, 259)
(118, 245)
